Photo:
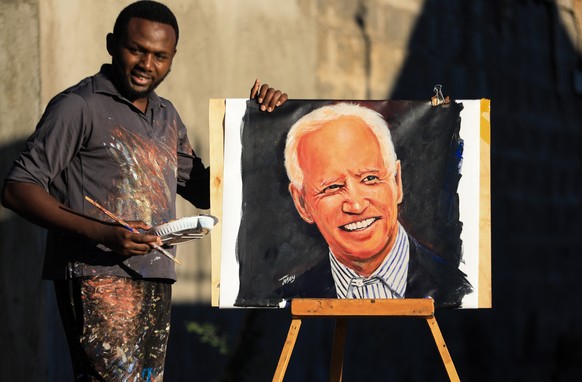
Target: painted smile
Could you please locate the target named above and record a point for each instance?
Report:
(359, 225)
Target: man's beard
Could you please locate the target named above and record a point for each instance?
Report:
(125, 85)
(132, 94)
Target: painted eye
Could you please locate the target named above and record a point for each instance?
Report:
(331, 188)
(370, 179)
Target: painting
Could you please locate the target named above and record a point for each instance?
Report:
(354, 199)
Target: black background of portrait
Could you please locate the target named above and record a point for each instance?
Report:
(274, 242)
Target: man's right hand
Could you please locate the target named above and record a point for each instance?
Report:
(35, 204)
(125, 242)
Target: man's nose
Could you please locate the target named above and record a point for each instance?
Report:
(147, 61)
(355, 201)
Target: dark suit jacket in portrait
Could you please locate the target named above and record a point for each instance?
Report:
(429, 275)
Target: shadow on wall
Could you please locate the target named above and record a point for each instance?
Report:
(27, 325)
(519, 55)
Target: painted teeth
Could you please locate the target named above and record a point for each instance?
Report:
(359, 225)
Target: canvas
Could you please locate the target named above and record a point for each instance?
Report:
(333, 235)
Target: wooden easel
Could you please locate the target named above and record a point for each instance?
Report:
(342, 310)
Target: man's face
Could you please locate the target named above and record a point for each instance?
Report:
(142, 57)
(348, 192)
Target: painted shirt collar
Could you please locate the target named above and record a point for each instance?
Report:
(388, 281)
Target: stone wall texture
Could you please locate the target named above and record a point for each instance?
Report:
(526, 56)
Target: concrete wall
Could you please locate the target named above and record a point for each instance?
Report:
(525, 56)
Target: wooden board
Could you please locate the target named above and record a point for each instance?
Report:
(331, 307)
(485, 208)
(216, 136)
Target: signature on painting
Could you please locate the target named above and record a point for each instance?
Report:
(287, 279)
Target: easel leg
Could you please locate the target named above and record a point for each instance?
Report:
(337, 355)
(443, 350)
(287, 350)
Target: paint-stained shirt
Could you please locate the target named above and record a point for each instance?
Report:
(93, 142)
(388, 281)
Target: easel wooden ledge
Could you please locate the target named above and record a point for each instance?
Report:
(343, 309)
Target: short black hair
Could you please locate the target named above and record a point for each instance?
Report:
(148, 10)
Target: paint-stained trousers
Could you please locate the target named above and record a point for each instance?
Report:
(117, 328)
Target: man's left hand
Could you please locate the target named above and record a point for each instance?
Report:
(267, 97)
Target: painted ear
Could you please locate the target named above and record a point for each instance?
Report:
(299, 202)
(398, 180)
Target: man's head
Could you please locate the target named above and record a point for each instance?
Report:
(142, 47)
(345, 178)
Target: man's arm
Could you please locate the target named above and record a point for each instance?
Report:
(36, 205)
(196, 189)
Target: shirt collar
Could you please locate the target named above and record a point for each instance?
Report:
(102, 84)
(392, 272)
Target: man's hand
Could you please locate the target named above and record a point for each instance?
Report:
(267, 97)
(125, 242)
(35, 204)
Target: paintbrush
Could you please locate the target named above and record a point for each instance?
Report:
(127, 226)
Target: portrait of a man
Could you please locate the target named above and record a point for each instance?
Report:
(345, 179)
(345, 199)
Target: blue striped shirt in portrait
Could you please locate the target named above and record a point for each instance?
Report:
(388, 281)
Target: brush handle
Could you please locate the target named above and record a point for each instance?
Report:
(127, 226)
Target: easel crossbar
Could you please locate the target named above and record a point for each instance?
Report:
(421, 307)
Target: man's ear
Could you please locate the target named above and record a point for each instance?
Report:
(110, 41)
(398, 180)
(299, 202)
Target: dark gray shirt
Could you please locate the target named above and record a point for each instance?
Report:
(93, 142)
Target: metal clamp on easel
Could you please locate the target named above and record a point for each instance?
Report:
(438, 98)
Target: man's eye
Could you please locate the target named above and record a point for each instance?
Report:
(370, 179)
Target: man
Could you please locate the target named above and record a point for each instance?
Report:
(113, 139)
(345, 178)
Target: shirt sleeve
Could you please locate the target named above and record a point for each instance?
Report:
(193, 176)
(59, 135)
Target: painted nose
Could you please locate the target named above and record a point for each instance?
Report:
(355, 201)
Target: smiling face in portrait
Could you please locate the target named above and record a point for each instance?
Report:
(142, 56)
(349, 192)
